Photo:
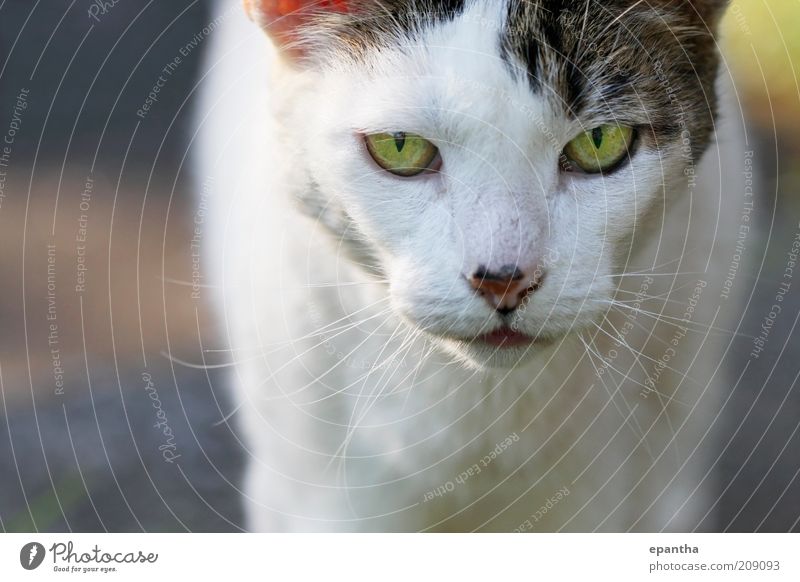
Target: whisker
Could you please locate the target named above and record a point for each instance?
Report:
(646, 274)
(423, 358)
(636, 428)
(643, 298)
(194, 366)
(655, 268)
(328, 371)
(183, 283)
(658, 393)
(649, 331)
(349, 315)
(610, 367)
(661, 296)
(324, 329)
(261, 352)
(343, 390)
(345, 284)
(675, 320)
(352, 424)
(637, 355)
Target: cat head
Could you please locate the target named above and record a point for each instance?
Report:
(492, 159)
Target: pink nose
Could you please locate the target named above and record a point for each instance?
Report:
(506, 288)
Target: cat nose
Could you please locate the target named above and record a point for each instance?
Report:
(506, 288)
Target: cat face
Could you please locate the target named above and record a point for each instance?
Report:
(494, 158)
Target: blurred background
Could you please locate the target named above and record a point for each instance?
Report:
(106, 422)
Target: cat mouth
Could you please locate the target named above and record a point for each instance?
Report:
(505, 337)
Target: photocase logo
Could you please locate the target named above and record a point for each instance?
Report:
(31, 555)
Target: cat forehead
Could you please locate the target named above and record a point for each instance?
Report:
(588, 57)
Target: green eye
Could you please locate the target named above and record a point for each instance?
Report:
(600, 149)
(402, 154)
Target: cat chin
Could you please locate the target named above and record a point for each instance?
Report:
(480, 355)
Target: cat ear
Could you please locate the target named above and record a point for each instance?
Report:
(710, 11)
(282, 19)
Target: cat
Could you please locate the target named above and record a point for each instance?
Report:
(470, 258)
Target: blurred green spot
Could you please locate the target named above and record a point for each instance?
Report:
(45, 509)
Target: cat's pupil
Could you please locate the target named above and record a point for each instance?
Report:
(399, 141)
(597, 137)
